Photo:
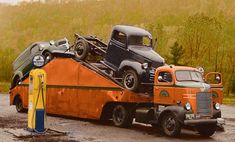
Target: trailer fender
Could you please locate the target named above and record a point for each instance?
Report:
(179, 111)
(131, 64)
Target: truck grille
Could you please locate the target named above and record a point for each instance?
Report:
(203, 104)
(151, 75)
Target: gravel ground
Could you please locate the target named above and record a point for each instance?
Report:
(80, 130)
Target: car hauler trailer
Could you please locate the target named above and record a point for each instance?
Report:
(180, 97)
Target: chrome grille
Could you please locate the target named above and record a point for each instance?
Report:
(204, 104)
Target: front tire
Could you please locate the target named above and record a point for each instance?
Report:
(170, 125)
(206, 130)
(130, 80)
(122, 116)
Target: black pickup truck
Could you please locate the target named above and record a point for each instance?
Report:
(129, 55)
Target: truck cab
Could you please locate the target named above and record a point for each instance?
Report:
(131, 56)
(184, 97)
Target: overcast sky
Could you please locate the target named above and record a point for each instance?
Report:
(9, 1)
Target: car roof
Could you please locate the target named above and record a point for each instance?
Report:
(131, 30)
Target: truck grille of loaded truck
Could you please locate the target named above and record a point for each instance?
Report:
(204, 107)
(152, 75)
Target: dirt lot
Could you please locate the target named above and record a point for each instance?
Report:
(80, 130)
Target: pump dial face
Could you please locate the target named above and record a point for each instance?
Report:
(38, 61)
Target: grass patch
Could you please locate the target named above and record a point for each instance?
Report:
(4, 87)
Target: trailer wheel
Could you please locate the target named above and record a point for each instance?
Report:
(170, 125)
(206, 130)
(81, 49)
(130, 80)
(122, 116)
(19, 105)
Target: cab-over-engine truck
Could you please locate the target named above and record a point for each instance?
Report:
(181, 97)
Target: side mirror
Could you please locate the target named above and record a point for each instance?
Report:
(160, 78)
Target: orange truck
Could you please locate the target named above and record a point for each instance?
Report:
(181, 96)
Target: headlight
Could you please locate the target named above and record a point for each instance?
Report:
(187, 106)
(145, 65)
(217, 106)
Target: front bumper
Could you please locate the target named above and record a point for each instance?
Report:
(194, 122)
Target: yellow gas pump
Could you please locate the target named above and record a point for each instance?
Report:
(37, 100)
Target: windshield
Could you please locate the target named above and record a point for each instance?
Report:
(189, 75)
(140, 41)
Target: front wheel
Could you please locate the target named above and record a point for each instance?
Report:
(170, 125)
(130, 80)
(122, 116)
(206, 130)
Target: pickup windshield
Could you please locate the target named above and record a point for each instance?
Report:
(187, 75)
(140, 41)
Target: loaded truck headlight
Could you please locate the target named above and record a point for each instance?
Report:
(145, 65)
(187, 106)
(217, 106)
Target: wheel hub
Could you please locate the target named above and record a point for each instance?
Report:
(80, 49)
(129, 80)
(170, 124)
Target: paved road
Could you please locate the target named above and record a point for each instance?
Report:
(80, 130)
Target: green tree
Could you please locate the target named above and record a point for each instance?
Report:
(177, 53)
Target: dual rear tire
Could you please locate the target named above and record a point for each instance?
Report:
(122, 116)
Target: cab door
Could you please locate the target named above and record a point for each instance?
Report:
(164, 88)
(117, 49)
(215, 81)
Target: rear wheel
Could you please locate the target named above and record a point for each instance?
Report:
(15, 81)
(206, 130)
(122, 116)
(48, 57)
(81, 49)
(130, 80)
(170, 125)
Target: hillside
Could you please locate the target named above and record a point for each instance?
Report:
(204, 28)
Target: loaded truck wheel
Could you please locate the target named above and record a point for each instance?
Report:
(122, 116)
(130, 80)
(15, 81)
(81, 49)
(48, 57)
(206, 130)
(19, 105)
(170, 125)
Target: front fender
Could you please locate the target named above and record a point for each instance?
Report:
(179, 111)
(132, 64)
